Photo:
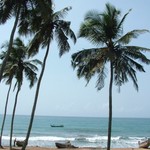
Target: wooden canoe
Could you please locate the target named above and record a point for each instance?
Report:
(18, 143)
(144, 144)
(64, 145)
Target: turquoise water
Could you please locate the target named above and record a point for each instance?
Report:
(81, 131)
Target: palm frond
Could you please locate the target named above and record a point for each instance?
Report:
(62, 41)
(101, 78)
(82, 56)
(125, 67)
(65, 26)
(24, 23)
(130, 35)
(123, 70)
(92, 32)
(122, 20)
(6, 11)
(136, 53)
(36, 61)
(135, 64)
(90, 62)
(31, 66)
(44, 7)
(111, 10)
(31, 76)
(62, 13)
(34, 45)
(92, 15)
(91, 68)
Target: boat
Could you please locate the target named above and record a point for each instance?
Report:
(18, 143)
(65, 145)
(144, 144)
(57, 125)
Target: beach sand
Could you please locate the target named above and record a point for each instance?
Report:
(46, 148)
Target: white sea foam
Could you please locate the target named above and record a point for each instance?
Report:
(80, 141)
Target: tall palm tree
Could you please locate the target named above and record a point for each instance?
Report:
(8, 77)
(21, 66)
(51, 26)
(20, 9)
(106, 29)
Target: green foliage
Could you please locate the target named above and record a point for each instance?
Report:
(19, 65)
(106, 29)
(46, 29)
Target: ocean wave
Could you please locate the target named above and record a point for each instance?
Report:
(41, 138)
(118, 141)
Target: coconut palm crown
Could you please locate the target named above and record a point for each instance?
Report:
(105, 31)
(19, 65)
(44, 30)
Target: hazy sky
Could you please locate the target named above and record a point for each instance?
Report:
(62, 93)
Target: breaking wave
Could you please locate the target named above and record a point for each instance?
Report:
(80, 141)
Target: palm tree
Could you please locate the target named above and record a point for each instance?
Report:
(51, 26)
(106, 29)
(8, 76)
(21, 10)
(21, 66)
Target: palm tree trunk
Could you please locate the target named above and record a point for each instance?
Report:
(10, 44)
(110, 107)
(4, 117)
(36, 98)
(13, 116)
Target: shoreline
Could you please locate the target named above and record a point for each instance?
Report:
(82, 148)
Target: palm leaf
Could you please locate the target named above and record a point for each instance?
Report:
(62, 41)
(136, 53)
(101, 78)
(31, 76)
(122, 20)
(92, 15)
(90, 62)
(130, 35)
(5, 11)
(61, 14)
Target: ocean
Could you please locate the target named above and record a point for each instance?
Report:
(80, 131)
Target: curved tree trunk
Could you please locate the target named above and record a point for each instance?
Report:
(110, 107)
(4, 117)
(10, 44)
(12, 119)
(36, 98)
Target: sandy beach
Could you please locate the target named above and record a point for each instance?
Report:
(88, 148)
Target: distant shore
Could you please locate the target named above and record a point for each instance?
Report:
(88, 148)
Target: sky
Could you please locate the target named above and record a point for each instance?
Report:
(62, 93)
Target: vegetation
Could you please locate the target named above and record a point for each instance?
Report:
(38, 19)
(106, 29)
(49, 27)
(18, 66)
(20, 10)
(34, 17)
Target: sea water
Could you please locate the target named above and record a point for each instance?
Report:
(80, 131)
